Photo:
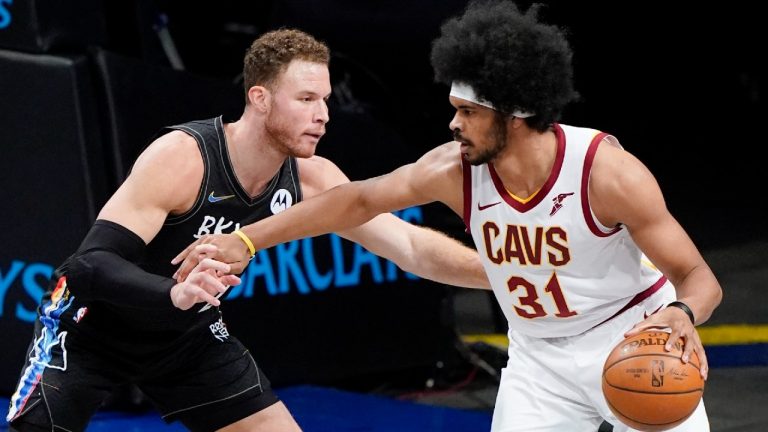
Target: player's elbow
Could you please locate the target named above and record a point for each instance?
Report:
(409, 263)
(716, 291)
(713, 295)
(717, 296)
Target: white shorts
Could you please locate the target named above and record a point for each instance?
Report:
(554, 384)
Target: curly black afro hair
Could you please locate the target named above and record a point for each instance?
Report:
(509, 58)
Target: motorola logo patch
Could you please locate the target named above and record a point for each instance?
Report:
(281, 200)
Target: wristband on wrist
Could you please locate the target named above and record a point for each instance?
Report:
(685, 308)
(247, 241)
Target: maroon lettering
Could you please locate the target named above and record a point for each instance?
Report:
(490, 232)
(533, 253)
(512, 245)
(565, 255)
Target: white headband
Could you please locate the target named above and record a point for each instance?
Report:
(464, 91)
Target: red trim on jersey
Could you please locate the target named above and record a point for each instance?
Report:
(585, 208)
(467, 171)
(556, 167)
(638, 298)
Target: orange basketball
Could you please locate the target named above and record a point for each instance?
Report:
(648, 388)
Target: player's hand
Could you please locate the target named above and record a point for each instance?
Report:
(226, 248)
(681, 329)
(206, 281)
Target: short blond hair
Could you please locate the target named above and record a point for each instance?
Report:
(272, 52)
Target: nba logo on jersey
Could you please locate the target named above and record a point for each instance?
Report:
(80, 314)
(281, 200)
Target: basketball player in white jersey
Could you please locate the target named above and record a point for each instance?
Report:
(562, 217)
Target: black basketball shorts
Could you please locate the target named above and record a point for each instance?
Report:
(208, 382)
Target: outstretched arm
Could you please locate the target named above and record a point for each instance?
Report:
(428, 253)
(354, 210)
(622, 190)
(422, 251)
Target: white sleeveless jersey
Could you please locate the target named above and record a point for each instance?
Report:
(555, 270)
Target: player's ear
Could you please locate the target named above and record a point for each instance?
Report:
(515, 122)
(260, 98)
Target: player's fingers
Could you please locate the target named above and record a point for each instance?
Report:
(230, 280)
(698, 347)
(673, 337)
(193, 294)
(210, 282)
(205, 250)
(183, 254)
(194, 257)
(186, 268)
(238, 266)
(204, 296)
(207, 280)
(687, 348)
(214, 284)
(211, 264)
(643, 326)
(704, 366)
(636, 329)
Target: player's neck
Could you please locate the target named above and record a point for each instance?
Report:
(254, 161)
(526, 162)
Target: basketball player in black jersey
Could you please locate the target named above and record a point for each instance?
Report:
(115, 315)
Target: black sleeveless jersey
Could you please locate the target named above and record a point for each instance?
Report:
(222, 206)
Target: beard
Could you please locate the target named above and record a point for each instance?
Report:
(496, 135)
(283, 137)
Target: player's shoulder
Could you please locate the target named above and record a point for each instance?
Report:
(172, 155)
(318, 174)
(314, 163)
(316, 167)
(612, 158)
(617, 171)
(173, 147)
(450, 149)
(443, 158)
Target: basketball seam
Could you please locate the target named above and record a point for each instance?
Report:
(648, 355)
(700, 389)
(650, 424)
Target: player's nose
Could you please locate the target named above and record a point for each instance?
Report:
(455, 125)
(321, 114)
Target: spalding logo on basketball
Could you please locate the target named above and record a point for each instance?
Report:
(281, 200)
(649, 388)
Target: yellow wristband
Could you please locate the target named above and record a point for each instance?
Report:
(247, 241)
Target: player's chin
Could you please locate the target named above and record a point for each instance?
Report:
(473, 159)
(305, 148)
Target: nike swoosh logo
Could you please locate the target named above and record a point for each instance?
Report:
(646, 314)
(483, 207)
(215, 199)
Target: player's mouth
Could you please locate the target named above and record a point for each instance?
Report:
(465, 143)
(315, 135)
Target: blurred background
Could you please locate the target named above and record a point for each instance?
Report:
(85, 84)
